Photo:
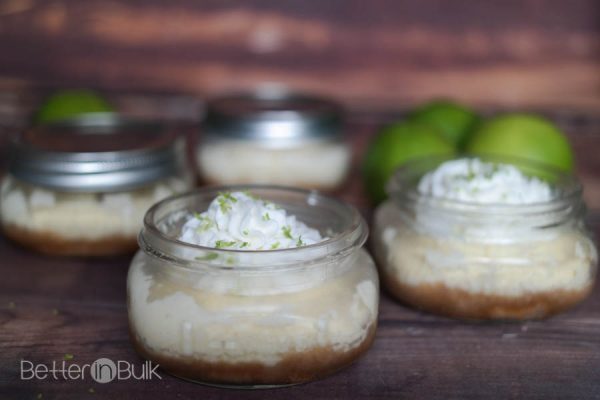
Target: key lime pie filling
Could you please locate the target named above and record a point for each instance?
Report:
(67, 223)
(263, 287)
(320, 164)
(484, 239)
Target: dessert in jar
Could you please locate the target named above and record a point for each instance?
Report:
(273, 137)
(252, 286)
(484, 239)
(82, 187)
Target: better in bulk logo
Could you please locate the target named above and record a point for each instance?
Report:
(103, 370)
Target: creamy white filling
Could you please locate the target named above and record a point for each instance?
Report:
(475, 181)
(172, 317)
(322, 164)
(81, 215)
(563, 259)
(238, 220)
(564, 263)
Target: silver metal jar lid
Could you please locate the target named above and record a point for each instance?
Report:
(273, 115)
(96, 153)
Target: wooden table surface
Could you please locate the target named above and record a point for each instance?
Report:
(53, 307)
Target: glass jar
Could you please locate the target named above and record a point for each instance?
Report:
(253, 318)
(82, 187)
(476, 261)
(274, 137)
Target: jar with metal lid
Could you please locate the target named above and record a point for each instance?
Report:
(509, 258)
(81, 187)
(274, 137)
(253, 318)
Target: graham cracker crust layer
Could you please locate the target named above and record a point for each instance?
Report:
(52, 244)
(294, 368)
(458, 303)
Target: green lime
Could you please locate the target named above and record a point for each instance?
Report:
(67, 104)
(454, 121)
(394, 145)
(525, 136)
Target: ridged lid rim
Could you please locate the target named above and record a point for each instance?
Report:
(91, 171)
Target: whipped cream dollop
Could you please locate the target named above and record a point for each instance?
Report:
(476, 181)
(241, 221)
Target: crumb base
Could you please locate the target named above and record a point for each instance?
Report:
(294, 367)
(54, 244)
(462, 304)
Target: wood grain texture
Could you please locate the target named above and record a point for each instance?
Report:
(50, 307)
(511, 53)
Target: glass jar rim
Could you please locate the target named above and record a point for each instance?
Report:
(402, 187)
(152, 239)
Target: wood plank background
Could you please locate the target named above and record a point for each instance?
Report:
(160, 58)
(512, 53)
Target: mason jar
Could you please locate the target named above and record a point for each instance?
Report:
(253, 318)
(81, 187)
(274, 137)
(484, 261)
